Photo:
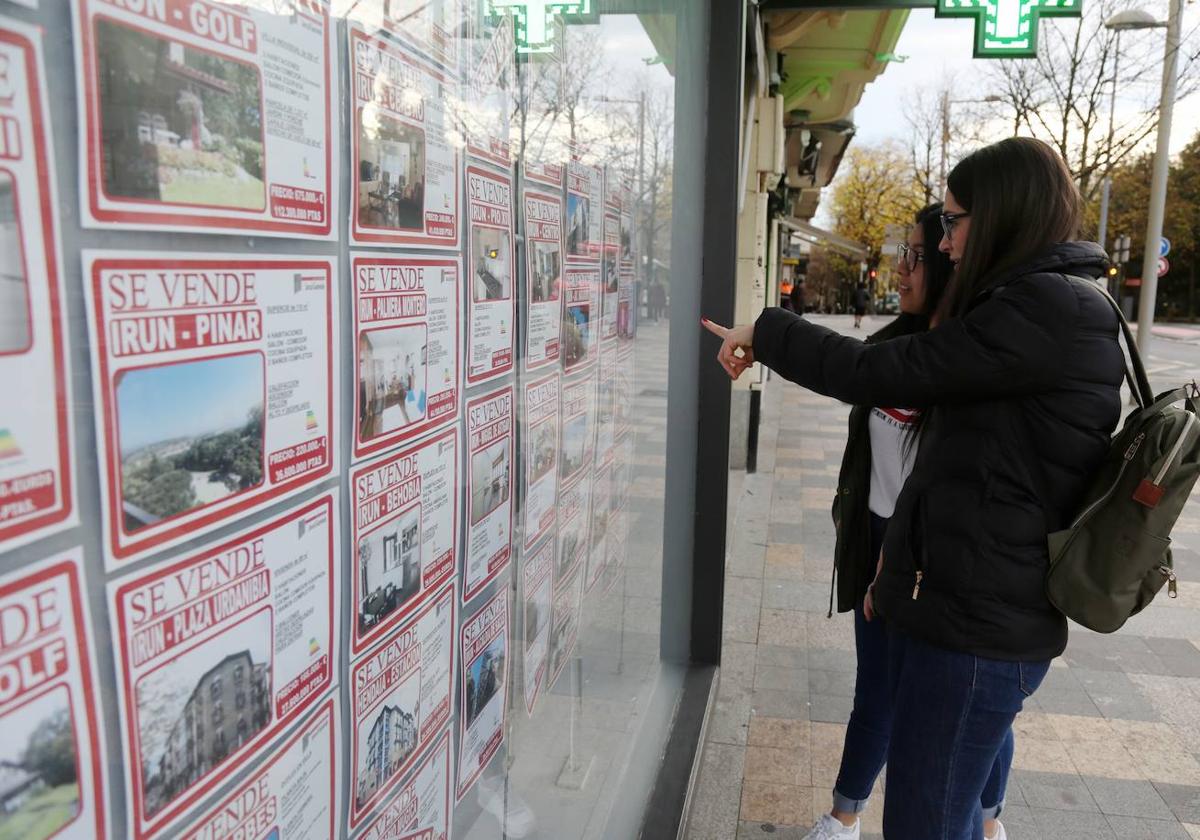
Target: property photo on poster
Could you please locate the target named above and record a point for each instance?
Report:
(599, 516)
(420, 809)
(581, 317)
(489, 490)
(401, 694)
(408, 363)
(577, 444)
(484, 658)
(215, 382)
(544, 277)
(405, 532)
(610, 276)
(406, 170)
(574, 507)
(293, 796)
(536, 589)
(183, 116)
(36, 467)
(564, 626)
(540, 453)
(220, 651)
(53, 779)
(585, 211)
(491, 269)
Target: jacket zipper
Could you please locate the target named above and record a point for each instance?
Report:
(1187, 427)
(917, 585)
(1172, 581)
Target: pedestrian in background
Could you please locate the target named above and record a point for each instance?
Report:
(861, 299)
(1019, 385)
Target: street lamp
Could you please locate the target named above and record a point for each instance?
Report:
(946, 103)
(1140, 19)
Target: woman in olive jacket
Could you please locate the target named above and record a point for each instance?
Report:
(1019, 383)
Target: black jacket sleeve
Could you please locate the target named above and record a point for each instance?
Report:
(1010, 345)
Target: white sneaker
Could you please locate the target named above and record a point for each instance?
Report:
(1000, 834)
(831, 828)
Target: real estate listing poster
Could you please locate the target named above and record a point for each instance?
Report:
(585, 211)
(539, 449)
(581, 317)
(205, 116)
(404, 533)
(578, 427)
(544, 277)
(627, 259)
(37, 494)
(52, 763)
(623, 390)
(484, 659)
(540, 174)
(626, 315)
(575, 505)
(536, 588)
(489, 490)
(219, 652)
(293, 796)
(564, 625)
(408, 360)
(597, 554)
(420, 810)
(491, 305)
(428, 26)
(215, 389)
(606, 386)
(405, 168)
(610, 277)
(401, 697)
(482, 109)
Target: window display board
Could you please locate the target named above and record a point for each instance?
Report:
(205, 116)
(48, 696)
(575, 505)
(407, 360)
(401, 694)
(219, 652)
(482, 111)
(420, 810)
(536, 589)
(214, 382)
(543, 276)
(404, 533)
(484, 661)
(405, 173)
(36, 466)
(489, 496)
(292, 796)
(539, 449)
(491, 269)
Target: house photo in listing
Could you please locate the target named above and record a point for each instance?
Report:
(492, 274)
(389, 560)
(179, 125)
(579, 214)
(392, 374)
(545, 279)
(190, 434)
(391, 173)
(386, 739)
(484, 680)
(489, 480)
(15, 332)
(39, 768)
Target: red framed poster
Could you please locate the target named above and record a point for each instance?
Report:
(575, 505)
(401, 696)
(404, 533)
(606, 389)
(420, 810)
(540, 452)
(215, 382)
(405, 170)
(564, 625)
(206, 116)
(484, 659)
(37, 494)
(220, 652)
(536, 589)
(601, 511)
(293, 796)
(48, 695)
(610, 276)
(491, 304)
(489, 490)
(585, 211)
(407, 360)
(543, 277)
(482, 109)
(581, 319)
(577, 446)
(544, 174)
(431, 28)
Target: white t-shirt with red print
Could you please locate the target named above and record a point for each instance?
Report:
(892, 456)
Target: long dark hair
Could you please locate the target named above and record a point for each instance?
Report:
(1022, 200)
(937, 266)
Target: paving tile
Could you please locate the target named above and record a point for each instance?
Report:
(1139, 828)
(784, 594)
(1065, 703)
(1145, 736)
(832, 659)
(784, 657)
(1192, 830)
(1125, 798)
(729, 721)
(1106, 759)
(778, 766)
(1178, 768)
(782, 679)
(773, 803)
(1055, 791)
(1034, 725)
(784, 562)
(1020, 823)
(830, 708)
(770, 831)
(784, 733)
(1072, 825)
(785, 532)
(1081, 729)
(837, 683)
(1042, 756)
(783, 627)
(783, 704)
(718, 793)
(1183, 800)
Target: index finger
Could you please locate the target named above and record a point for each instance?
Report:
(715, 329)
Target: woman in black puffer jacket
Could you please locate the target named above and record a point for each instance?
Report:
(1020, 388)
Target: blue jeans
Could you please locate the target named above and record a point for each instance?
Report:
(865, 749)
(952, 716)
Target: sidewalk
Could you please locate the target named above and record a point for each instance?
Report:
(1109, 747)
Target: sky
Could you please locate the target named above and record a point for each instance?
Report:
(193, 398)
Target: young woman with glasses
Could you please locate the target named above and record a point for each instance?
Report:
(1019, 388)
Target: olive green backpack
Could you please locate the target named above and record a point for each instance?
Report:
(1116, 555)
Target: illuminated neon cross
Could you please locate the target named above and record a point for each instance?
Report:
(535, 20)
(1007, 28)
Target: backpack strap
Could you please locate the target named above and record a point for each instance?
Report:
(1135, 370)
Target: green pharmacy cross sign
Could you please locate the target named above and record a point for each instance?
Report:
(535, 20)
(1007, 28)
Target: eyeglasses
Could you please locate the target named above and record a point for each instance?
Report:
(909, 256)
(949, 220)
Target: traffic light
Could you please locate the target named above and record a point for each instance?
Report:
(873, 274)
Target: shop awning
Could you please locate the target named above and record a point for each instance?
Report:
(827, 238)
